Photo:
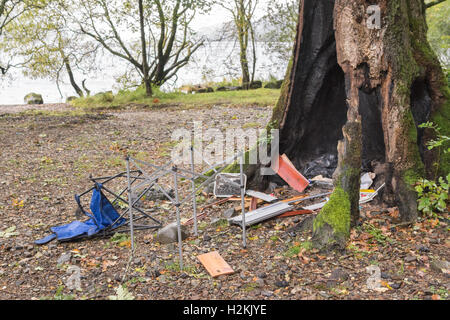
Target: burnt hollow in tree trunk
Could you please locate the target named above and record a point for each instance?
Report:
(353, 99)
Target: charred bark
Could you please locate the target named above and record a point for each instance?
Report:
(353, 99)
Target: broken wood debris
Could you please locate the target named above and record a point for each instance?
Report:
(366, 197)
(286, 170)
(271, 210)
(260, 195)
(228, 184)
(215, 264)
(295, 213)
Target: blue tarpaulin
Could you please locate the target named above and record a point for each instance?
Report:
(103, 216)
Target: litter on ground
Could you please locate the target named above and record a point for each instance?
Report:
(215, 264)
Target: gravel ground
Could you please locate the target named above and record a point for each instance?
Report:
(9, 109)
(47, 158)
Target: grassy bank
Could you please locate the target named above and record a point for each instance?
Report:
(260, 97)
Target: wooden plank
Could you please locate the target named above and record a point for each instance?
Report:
(295, 213)
(299, 198)
(253, 204)
(247, 205)
(215, 264)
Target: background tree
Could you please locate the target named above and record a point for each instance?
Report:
(48, 48)
(165, 42)
(243, 12)
(280, 24)
(439, 30)
(10, 10)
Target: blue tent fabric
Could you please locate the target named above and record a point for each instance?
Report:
(103, 216)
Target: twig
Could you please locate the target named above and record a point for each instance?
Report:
(407, 223)
(128, 265)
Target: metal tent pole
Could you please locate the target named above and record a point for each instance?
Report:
(130, 205)
(241, 169)
(177, 205)
(194, 201)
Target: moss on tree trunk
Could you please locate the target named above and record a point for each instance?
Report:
(369, 88)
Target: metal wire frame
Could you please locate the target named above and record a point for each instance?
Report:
(137, 175)
(188, 175)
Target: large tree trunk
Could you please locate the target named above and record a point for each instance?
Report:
(145, 68)
(353, 98)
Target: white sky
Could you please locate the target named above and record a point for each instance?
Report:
(219, 15)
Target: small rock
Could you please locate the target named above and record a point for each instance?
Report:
(296, 289)
(64, 258)
(27, 254)
(169, 233)
(410, 258)
(206, 237)
(18, 247)
(230, 213)
(33, 98)
(385, 275)
(20, 282)
(262, 275)
(183, 275)
(339, 275)
(423, 248)
(282, 284)
(260, 282)
(267, 293)
(440, 266)
(156, 273)
(396, 285)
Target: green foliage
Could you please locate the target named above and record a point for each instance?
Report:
(9, 232)
(59, 295)
(122, 293)
(262, 97)
(120, 239)
(377, 234)
(281, 19)
(442, 141)
(296, 249)
(439, 31)
(48, 47)
(433, 196)
(336, 213)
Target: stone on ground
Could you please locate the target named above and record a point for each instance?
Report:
(169, 233)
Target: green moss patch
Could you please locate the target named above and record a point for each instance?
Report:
(336, 213)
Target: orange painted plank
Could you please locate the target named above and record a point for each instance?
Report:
(288, 173)
(299, 198)
(215, 264)
(253, 204)
(295, 213)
